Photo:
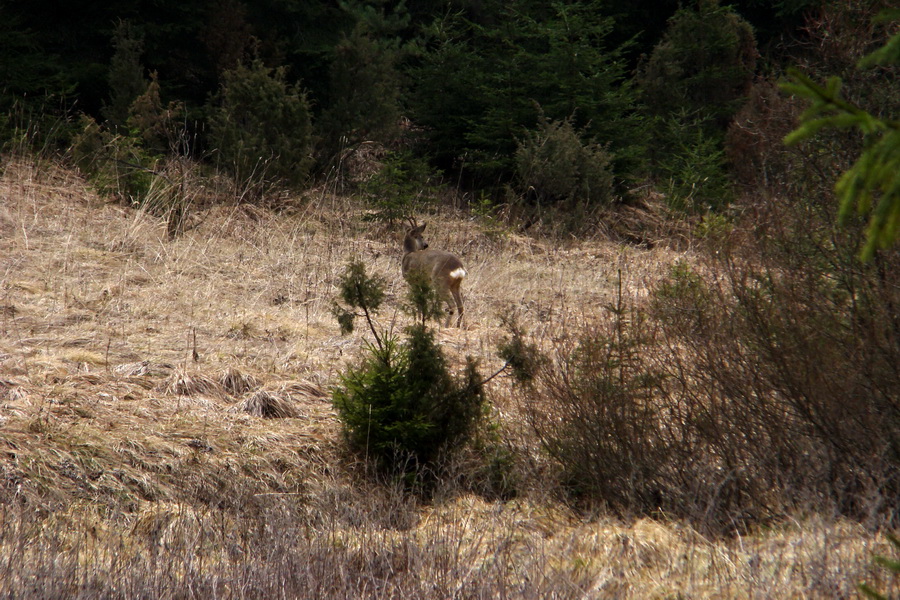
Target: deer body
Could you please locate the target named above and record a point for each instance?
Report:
(445, 269)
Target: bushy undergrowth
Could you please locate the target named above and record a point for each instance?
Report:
(787, 360)
(402, 186)
(765, 382)
(765, 377)
(597, 417)
(115, 164)
(555, 166)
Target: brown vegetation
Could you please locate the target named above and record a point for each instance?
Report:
(164, 429)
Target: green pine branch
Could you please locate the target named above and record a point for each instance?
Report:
(871, 186)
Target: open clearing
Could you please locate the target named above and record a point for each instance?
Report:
(128, 368)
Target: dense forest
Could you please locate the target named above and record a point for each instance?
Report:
(625, 92)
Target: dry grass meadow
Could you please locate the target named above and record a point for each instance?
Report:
(166, 429)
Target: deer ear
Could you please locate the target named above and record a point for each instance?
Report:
(422, 228)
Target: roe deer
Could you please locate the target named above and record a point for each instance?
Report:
(443, 268)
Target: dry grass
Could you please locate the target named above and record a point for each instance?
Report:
(136, 373)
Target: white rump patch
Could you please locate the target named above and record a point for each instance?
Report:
(458, 273)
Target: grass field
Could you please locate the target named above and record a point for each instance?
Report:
(134, 461)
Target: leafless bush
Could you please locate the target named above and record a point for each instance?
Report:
(788, 361)
(594, 411)
(764, 382)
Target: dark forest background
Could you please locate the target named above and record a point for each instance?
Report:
(497, 96)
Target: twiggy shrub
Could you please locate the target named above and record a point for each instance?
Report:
(595, 410)
(785, 364)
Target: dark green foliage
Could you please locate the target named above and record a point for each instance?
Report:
(400, 189)
(364, 92)
(871, 185)
(691, 86)
(692, 170)
(160, 129)
(358, 291)
(401, 408)
(523, 358)
(126, 75)
(556, 166)
(479, 88)
(425, 303)
(704, 63)
(260, 127)
(115, 164)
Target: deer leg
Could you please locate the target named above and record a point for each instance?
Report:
(449, 312)
(459, 306)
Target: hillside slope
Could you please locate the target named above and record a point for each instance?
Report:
(166, 428)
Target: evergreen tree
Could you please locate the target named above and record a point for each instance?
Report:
(365, 92)
(126, 74)
(703, 65)
(260, 126)
(479, 88)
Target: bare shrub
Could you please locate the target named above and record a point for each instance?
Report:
(598, 420)
(786, 361)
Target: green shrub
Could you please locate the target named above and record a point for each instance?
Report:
(260, 127)
(160, 129)
(400, 189)
(693, 170)
(358, 291)
(115, 164)
(705, 61)
(401, 409)
(364, 90)
(555, 165)
(424, 302)
(478, 88)
(126, 75)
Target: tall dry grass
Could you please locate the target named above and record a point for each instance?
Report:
(165, 431)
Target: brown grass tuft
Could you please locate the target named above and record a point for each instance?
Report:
(268, 405)
(238, 383)
(181, 383)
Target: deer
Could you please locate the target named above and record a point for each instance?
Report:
(444, 269)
